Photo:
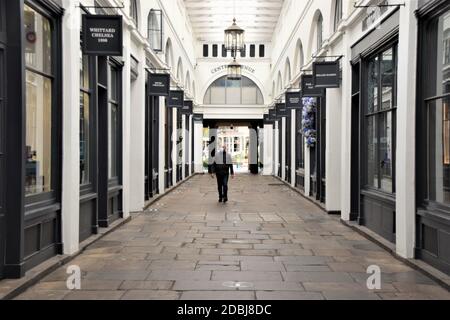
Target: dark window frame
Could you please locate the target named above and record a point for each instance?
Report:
(378, 114)
(34, 201)
(427, 94)
(205, 51)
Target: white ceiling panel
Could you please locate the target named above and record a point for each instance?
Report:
(209, 18)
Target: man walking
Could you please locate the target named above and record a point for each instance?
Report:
(222, 167)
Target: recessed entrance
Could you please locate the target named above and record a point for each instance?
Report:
(242, 140)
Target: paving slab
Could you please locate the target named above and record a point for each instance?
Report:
(269, 240)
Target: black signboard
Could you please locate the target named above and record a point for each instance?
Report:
(198, 117)
(273, 115)
(158, 84)
(308, 88)
(176, 99)
(188, 107)
(293, 100)
(326, 74)
(102, 35)
(282, 110)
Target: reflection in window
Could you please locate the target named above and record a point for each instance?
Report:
(38, 57)
(380, 122)
(113, 125)
(439, 150)
(443, 77)
(233, 92)
(38, 41)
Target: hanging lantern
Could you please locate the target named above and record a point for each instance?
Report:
(234, 38)
(234, 71)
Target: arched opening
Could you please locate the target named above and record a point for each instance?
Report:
(287, 72)
(134, 12)
(187, 84)
(299, 58)
(169, 54)
(180, 70)
(338, 14)
(279, 83)
(233, 92)
(155, 29)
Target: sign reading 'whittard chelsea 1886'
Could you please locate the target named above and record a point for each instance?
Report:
(102, 35)
(158, 84)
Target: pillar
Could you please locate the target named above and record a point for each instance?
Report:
(71, 133)
(406, 132)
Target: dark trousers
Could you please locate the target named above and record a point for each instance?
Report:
(222, 184)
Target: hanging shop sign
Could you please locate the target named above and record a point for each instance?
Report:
(102, 35)
(188, 107)
(293, 100)
(273, 115)
(326, 74)
(198, 117)
(308, 88)
(176, 99)
(158, 84)
(267, 119)
(282, 110)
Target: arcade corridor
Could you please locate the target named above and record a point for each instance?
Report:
(268, 240)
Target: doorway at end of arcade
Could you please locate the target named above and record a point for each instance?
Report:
(243, 139)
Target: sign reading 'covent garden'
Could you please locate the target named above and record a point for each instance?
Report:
(293, 100)
(158, 84)
(224, 68)
(176, 99)
(102, 35)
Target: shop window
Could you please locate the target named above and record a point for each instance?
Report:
(85, 123)
(39, 100)
(380, 118)
(205, 51)
(113, 124)
(155, 30)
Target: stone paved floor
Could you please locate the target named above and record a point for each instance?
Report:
(270, 240)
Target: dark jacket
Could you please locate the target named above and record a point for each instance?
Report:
(223, 164)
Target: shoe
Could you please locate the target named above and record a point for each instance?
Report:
(225, 200)
(220, 200)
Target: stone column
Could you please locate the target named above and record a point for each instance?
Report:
(406, 132)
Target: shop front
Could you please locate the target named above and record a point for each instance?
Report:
(374, 125)
(433, 135)
(30, 121)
